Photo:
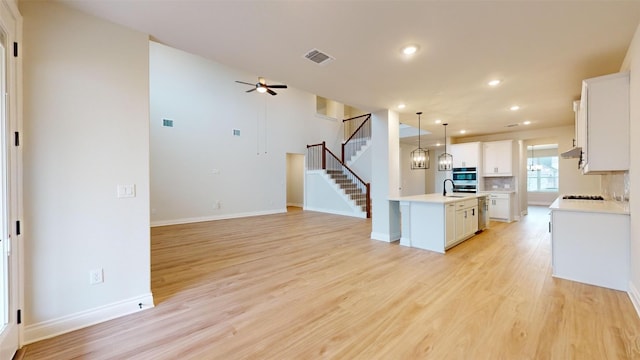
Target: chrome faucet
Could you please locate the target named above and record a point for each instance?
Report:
(444, 186)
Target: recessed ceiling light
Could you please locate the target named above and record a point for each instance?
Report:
(438, 144)
(438, 121)
(527, 122)
(401, 106)
(514, 108)
(410, 49)
(495, 82)
(463, 131)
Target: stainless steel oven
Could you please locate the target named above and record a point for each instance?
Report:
(465, 180)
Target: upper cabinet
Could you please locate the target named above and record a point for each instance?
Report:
(602, 124)
(498, 158)
(466, 155)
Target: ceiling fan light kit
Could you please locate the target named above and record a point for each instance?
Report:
(262, 87)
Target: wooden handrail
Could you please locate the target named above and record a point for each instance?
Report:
(359, 127)
(356, 117)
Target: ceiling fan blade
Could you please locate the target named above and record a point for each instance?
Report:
(246, 83)
(277, 86)
(250, 90)
(271, 92)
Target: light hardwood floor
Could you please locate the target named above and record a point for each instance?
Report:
(307, 285)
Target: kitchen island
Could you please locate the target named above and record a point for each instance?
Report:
(436, 222)
(590, 242)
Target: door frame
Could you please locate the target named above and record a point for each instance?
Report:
(11, 23)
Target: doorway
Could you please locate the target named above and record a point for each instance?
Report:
(295, 180)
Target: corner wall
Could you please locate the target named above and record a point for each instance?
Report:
(86, 130)
(632, 63)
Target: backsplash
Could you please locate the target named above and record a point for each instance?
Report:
(499, 183)
(615, 186)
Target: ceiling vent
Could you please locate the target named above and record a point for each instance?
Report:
(512, 125)
(318, 57)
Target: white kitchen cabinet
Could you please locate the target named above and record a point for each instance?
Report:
(591, 248)
(466, 218)
(603, 124)
(500, 206)
(435, 222)
(498, 158)
(466, 155)
(450, 225)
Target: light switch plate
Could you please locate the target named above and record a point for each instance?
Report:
(126, 191)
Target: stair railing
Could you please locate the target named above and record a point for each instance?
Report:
(319, 157)
(355, 139)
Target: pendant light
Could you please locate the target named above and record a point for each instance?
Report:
(445, 161)
(419, 157)
(531, 166)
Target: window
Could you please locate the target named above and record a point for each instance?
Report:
(544, 176)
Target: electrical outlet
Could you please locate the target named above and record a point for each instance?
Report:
(95, 277)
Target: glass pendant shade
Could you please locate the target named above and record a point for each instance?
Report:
(419, 157)
(445, 161)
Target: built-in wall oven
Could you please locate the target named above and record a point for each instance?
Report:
(465, 180)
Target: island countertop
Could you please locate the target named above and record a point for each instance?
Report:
(593, 206)
(437, 198)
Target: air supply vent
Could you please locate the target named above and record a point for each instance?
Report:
(512, 125)
(318, 57)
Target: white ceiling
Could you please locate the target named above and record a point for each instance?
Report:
(541, 50)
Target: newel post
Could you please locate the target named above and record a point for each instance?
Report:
(324, 156)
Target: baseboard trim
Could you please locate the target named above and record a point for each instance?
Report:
(216, 217)
(385, 237)
(296, 204)
(634, 295)
(65, 324)
(361, 215)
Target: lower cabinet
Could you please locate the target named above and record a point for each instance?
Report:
(500, 207)
(466, 220)
(450, 225)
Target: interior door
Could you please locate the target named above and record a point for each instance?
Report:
(9, 180)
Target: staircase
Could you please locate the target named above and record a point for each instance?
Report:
(350, 188)
(355, 193)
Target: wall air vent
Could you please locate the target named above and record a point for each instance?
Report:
(318, 57)
(511, 125)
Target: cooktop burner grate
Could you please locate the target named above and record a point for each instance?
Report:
(583, 197)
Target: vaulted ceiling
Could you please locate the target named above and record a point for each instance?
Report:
(540, 50)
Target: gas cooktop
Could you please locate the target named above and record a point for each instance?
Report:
(583, 197)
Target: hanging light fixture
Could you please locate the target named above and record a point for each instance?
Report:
(419, 157)
(445, 161)
(532, 167)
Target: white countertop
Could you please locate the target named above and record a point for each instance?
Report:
(596, 206)
(437, 198)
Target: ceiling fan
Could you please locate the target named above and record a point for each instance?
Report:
(263, 87)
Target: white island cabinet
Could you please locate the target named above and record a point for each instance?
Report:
(590, 242)
(437, 223)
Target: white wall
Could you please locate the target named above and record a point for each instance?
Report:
(295, 180)
(632, 62)
(86, 101)
(198, 162)
(327, 197)
(385, 181)
(413, 182)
